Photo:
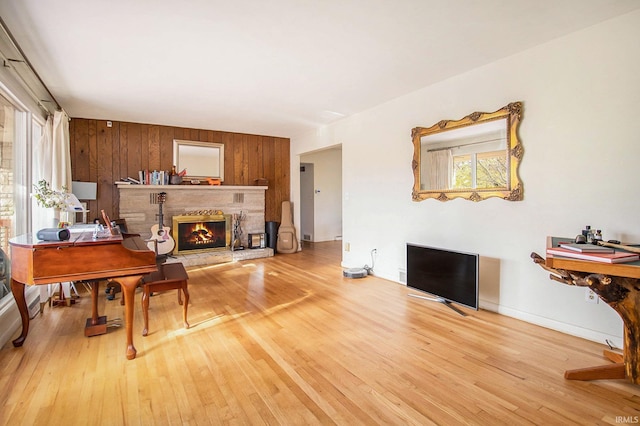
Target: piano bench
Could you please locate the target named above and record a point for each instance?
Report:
(169, 276)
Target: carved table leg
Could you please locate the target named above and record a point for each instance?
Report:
(129, 285)
(185, 306)
(145, 309)
(17, 288)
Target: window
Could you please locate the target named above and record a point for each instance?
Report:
(7, 202)
(18, 129)
(480, 170)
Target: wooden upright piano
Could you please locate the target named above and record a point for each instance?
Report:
(81, 258)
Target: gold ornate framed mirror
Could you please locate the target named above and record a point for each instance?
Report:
(474, 158)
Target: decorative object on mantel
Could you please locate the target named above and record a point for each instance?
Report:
(261, 182)
(619, 286)
(175, 178)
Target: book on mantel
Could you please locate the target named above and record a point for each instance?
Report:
(616, 257)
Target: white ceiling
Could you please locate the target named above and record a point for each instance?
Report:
(271, 67)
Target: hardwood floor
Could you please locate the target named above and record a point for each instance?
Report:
(287, 340)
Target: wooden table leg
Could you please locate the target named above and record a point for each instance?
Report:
(185, 306)
(145, 309)
(129, 285)
(611, 371)
(17, 288)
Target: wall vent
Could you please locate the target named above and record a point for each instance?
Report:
(238, 197)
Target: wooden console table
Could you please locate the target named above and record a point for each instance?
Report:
(618, 285)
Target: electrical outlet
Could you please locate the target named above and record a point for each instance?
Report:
(590, 296)
(347, 246)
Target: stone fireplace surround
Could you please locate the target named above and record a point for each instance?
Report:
(140, 214)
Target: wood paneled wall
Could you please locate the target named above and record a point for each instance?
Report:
(105, 154)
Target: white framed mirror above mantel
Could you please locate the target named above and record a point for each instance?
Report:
(199, 160)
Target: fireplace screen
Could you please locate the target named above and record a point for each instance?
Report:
(196, 233)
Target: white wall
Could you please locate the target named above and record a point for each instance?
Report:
(580, 132)
(327, 210)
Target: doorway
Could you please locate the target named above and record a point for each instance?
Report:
(321, 195)
(306, 201)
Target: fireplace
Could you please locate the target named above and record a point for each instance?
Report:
(194, 233)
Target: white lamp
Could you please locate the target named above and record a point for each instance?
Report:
(85, 191)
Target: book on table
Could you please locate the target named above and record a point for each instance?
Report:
(616, 257)
(586, 248)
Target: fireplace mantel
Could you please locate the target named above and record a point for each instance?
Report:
(165, 188)
(140, 214)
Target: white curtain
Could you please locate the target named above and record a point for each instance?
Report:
(440, 169)
(52, 162)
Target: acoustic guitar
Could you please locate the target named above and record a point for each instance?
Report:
(160, 234)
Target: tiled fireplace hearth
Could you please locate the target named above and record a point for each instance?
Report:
(206, 246)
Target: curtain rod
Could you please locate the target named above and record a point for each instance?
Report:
(25, 61)
(464, 144)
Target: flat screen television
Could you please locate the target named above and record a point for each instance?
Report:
(450, 276)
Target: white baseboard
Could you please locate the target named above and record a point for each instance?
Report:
(9, 319)
(573, 330)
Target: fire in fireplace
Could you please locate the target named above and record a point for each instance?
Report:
(197, 233)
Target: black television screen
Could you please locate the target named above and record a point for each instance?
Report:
(451, 276)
